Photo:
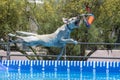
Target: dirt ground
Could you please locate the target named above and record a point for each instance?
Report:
(98, 53)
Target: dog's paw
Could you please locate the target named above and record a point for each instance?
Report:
(75, 42)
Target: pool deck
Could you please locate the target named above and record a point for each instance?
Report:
(105, 53)
(98, 53)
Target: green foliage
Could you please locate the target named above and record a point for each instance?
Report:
(108, 19)
(12, 16)
(48, 16)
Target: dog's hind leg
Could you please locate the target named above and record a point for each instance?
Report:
(61, 53)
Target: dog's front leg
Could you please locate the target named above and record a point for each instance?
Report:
(68, 41)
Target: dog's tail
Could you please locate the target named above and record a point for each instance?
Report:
(22, 33)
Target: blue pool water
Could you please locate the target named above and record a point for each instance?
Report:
(58, 70)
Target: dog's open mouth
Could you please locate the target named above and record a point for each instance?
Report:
(77, 22)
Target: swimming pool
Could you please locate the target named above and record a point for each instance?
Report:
(58, 70)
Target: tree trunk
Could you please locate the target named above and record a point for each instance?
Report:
(90, 53)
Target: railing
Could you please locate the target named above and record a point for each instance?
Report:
(55, 56)
(7, 47)
(99, 43)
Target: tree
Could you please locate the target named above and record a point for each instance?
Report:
(12, 17)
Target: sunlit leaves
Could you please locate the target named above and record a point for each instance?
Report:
(12, 16)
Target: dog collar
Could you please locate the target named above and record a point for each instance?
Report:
(69, 27)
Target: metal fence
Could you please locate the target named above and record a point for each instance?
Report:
(8, 54)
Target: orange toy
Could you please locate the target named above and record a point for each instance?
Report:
(90, 19)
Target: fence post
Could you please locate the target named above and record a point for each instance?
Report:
(65, 53)
(8, 48)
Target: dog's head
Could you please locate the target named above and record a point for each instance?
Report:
(73, 22)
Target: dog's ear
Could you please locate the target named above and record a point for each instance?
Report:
(65, 20)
